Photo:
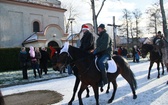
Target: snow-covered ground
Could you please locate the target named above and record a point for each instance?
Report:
(150, 92)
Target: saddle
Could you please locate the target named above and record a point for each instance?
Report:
(111, 66)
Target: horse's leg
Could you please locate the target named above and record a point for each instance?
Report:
(108, 87)
(82, 88)
(162, 68)
(114, 91)
(151, 64)
(96, 93)
(74, 90)
(158, 68)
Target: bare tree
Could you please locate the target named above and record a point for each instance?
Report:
(137, 15)
(165, 30)
(72, 12)
(154, 18)
(126, 24)
(95, 16)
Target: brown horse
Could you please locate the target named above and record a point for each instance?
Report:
(89, 75)
(154, 58)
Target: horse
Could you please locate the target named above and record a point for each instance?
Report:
(89, 74)
(154, 58)
(75, 72)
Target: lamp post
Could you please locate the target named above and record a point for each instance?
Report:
(71, 21)
(114, 30)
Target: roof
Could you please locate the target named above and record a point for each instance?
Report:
(34, 4)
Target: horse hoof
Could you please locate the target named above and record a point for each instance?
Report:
(148, 77)
(158, 77)
(135, 96)
(167, 82)
(87, 96)
(107, 91)
(110, 101)
(162, 73)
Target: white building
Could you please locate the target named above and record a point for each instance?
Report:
(28, 22)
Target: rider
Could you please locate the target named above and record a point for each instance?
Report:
(103, 51)
(158, 36)
(87, 41)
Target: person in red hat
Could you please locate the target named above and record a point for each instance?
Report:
(87, 41)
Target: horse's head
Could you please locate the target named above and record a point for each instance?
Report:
(63, 58)
(145, 49)
(63, 61)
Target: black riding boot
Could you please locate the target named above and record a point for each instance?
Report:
(104, 78)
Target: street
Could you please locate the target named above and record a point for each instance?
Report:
(149, 92)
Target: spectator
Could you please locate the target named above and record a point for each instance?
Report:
(137, 52)
(124, 52)
(119, 50)
(44, 60)
(35, 56)
(115, 51)
(23, 57)
(133, 53)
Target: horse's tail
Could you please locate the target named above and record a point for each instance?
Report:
(125, 70)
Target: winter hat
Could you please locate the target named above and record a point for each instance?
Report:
(85, 27)
(101, 26)
(31, 51)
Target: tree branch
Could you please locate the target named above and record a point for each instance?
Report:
(100, 8)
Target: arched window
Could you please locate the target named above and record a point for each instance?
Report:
(36, 26)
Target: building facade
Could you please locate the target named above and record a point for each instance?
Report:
(31, 23)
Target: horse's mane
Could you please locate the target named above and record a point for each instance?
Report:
(148, 46)
(78, 51)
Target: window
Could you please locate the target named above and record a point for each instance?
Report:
(36, 26)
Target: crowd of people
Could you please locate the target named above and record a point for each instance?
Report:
(38, 59)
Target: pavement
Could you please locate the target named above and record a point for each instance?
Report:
(12, 78)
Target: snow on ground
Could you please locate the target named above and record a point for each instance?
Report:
(150, 92)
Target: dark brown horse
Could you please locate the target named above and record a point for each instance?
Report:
(75, 72)
(154, 57)
(89, 75)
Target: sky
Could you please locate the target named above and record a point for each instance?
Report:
(111, 8)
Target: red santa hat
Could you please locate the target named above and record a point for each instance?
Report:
(85, 27)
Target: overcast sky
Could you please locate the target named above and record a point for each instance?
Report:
(111, 8)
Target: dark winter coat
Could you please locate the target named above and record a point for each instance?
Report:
(23, 57)
(87, 41)
(124, 52)
(44, 57)
(104, 44)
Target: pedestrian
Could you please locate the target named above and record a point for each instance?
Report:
(119, 50)
(124, 52)
(103, 51)
(137, 52)
(115, 51)
(44, 60)
(35, 56)
(133, 53)
(23, 57)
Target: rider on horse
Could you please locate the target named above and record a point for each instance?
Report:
(103, 51)
(87, 41)
(155, 42)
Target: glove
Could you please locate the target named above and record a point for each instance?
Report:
(94, 52)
